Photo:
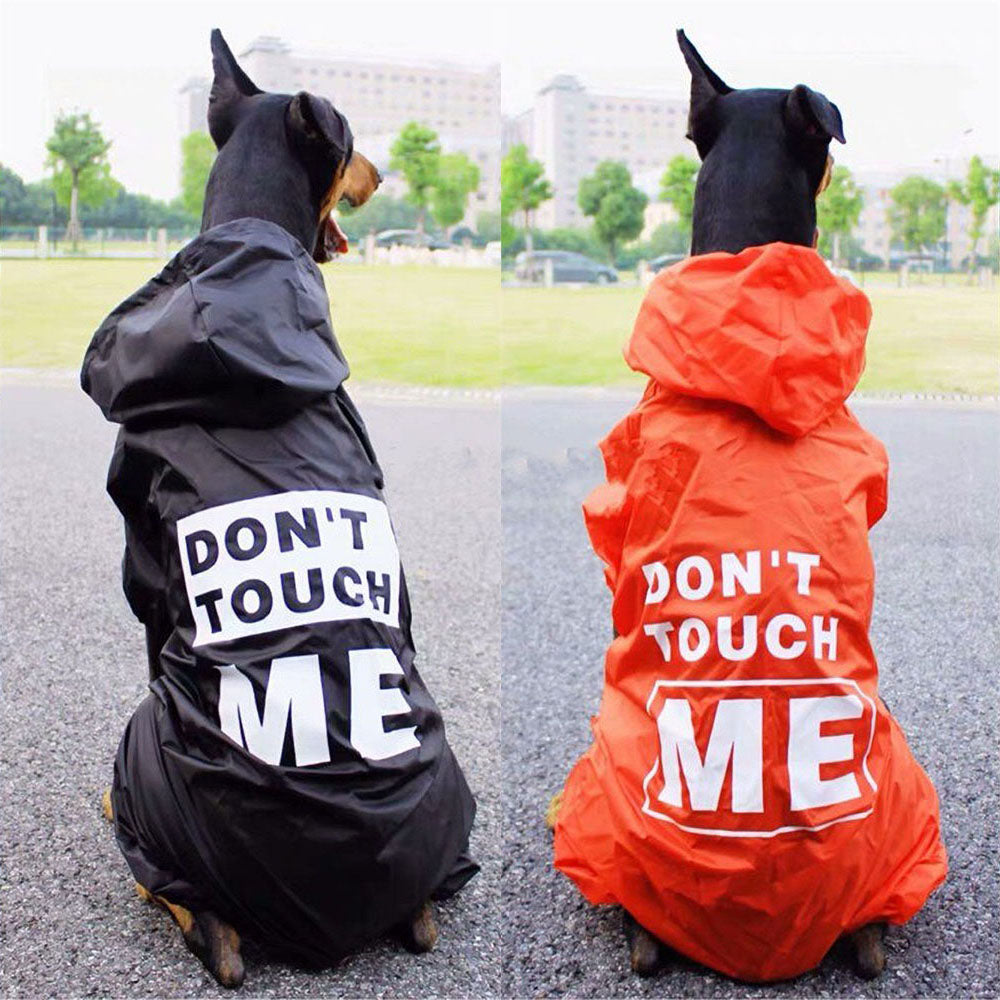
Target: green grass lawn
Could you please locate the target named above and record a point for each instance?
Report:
(450, 326)
(925, 338)
(430, 326)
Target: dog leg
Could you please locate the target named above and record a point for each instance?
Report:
(419, 934)
(106, 807)
(868, 950)
(552, 813)
(645, 953)
(214, 942)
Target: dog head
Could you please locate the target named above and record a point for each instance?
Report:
(289, 159)
(765, 159)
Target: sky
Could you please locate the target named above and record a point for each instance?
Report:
(917, 84)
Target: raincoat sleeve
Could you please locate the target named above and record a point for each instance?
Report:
(878, 486)
(143, 575)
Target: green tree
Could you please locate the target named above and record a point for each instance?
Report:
(980, 192)
(677, 188)
(416, 154)
(523, 187)
(838, 209)
(78, 153)
(616, 206)
(197, 157)
(668, 237)
(488, 227)
(24, 204)
(94, 187)
(917, 213)
(457, 178)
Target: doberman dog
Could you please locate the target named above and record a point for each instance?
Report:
(288, 160)
(765, 159)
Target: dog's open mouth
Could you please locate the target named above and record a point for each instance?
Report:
(330, 241)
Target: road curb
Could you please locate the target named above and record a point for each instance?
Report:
(440, 394)
(375, 391)
(598, 393)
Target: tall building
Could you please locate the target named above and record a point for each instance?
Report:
(379, 97)
(874, 230)
(571, 130)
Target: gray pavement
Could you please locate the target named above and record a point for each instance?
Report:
(74, 669)
(935, 632)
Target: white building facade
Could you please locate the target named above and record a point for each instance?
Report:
(570, 130)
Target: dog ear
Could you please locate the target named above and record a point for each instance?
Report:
(810, 114)
(317, 128)
(230, 88)
(706, 87)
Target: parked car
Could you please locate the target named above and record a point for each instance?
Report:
(566, 267)
(409, 238)
(665, 260)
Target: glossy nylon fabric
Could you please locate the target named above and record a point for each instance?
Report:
(227, 380)
(757, 853)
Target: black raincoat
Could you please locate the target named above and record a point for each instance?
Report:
(288, 770)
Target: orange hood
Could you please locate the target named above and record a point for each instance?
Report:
(770, 328)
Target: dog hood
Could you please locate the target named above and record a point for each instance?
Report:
(770, 328)
(234, 330)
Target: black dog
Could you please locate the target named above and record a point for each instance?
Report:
(765, 158)
(266, 784)
(291, 163)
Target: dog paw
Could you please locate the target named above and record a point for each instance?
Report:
(552, 813)
(217, 945)
(419, 934)
(869, 950)
(645, 953)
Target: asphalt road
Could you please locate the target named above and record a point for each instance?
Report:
(74, 669)
(935, 632)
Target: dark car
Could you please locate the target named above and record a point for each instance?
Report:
(566, 267)
(409, 238)
(665, 260)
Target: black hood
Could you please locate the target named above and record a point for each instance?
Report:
(234, 330)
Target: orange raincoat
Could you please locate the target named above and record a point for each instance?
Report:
(748, 797)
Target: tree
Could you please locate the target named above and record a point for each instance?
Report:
(838, 209)
(668, 237)
(94, 187)
(615, 205)
(78, 152)
(488, 227)
(523, 187)
(677, 187)
(24, 204)
(457, 178)
(197, 157)
(416, 154)
(917, 213)
(127, 210)
(980, 192)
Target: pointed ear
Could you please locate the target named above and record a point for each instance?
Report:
(230, 88)
(811, 115)
(318, 128)
(706, 87)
